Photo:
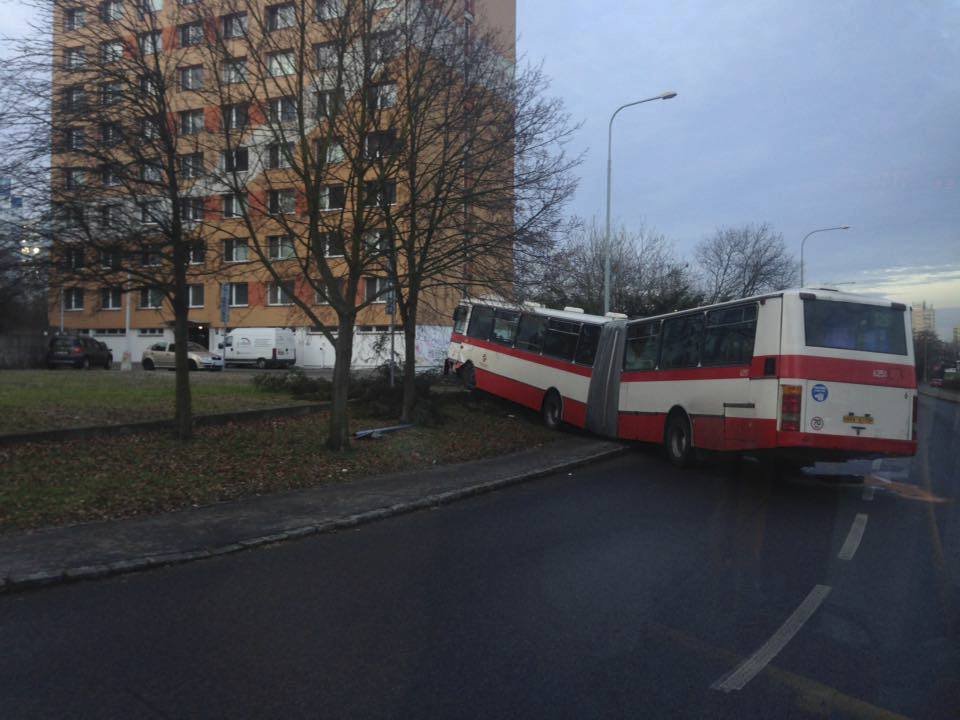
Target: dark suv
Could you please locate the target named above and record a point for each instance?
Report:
(78, 351)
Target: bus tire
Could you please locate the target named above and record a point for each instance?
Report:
(678, 439)
(552, 409)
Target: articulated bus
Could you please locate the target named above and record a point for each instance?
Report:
(799, 375)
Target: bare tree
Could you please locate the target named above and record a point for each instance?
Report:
(647, 276)
(742, 261)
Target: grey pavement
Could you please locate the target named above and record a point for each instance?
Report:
(103, 548)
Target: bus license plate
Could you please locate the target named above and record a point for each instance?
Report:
(858, 419)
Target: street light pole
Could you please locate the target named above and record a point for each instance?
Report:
(804, 242)
(606, 252)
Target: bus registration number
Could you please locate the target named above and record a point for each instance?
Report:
(858, 419)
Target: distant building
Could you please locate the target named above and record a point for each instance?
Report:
(956, 335)
(924, 318)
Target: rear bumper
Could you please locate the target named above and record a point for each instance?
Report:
(843, 446)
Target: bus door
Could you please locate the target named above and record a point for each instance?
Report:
(603, 396)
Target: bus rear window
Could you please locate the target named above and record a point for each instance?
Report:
(460, 319)
(854, 326)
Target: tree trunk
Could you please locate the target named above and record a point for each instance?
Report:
(409, 363)
(339, 432)
(184, 411)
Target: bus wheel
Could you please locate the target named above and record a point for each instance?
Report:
(552, 409)
(677, 439)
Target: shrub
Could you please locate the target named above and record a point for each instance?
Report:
(377, 399)
(295, 382)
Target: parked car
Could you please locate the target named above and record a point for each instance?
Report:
(163, 355)
(78, 351)
(262, 347)
(936, 382)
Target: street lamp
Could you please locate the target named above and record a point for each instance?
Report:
(804, 242)
(606, 260)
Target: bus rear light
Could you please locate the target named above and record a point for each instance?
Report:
(790, 407)
(914, 423)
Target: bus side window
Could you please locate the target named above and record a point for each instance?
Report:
(587, 347)
(729, 335)
(505, 326)
(530, 332)
(460, 319)
(561, 339)
(681, 342)
(642, 347)
(481, 323)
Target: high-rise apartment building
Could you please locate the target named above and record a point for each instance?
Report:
(924, 318)
(247, 92)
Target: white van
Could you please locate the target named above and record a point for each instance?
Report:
(262, 347)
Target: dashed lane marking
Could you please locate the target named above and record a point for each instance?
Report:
(749, 668)
(854, 537)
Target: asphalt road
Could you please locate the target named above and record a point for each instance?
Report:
(626, 589)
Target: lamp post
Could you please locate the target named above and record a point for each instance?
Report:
(606, 259)
(804, 242)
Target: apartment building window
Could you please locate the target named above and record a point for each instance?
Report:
(331, 244)
(198, 252)
(150, 331)
(281, 16)
(329, 9)
(280, 247)
(233, 72)
(191, 209)
(375, 289)
(323, 294)
(189, 2)
(236, 117)
(380, 144)
(150, 7)
(150, 42)
(74, 58)
(110, 331)
(150, 256)
(238, 294)
(111, 11)
(74, 18)
(191, 34)
(376, 242)
(191, 122)
(281, 63)
(233, 205)
(334, 152)
(110, 133)
(149, 128)
(110, 93)
(235, 25)
(196, 295)
(74, 178)
(151, 298)
(282, 202)
(108, 216)
(330, 103)
(236, 160)
(326, 56)
(75, 258)
(110, 259)
(379, 193)
(111, 51)
(73, 138)
(279, 155)
(381, 46)
(191, 78)
(150, 212)
(73, 215)
(235, 250)
(191, 165)
(74, 98)
(280, 293)
(151, 173)
(150, 85)
(109, 175)
(73, 299)
(111, 298)
(283, 109)
(381, 97)
(333, 197)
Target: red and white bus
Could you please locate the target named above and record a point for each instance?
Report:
(804, 375)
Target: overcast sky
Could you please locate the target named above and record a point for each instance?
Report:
(802, 114)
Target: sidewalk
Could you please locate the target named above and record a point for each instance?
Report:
(940, 393)
(55, 555)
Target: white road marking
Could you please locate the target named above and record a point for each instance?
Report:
(868, 492)
(854, 537)
(746, 671)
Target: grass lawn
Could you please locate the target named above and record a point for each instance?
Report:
(48, 399)
(56, 483)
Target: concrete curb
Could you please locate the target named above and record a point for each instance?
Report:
(154, 425)
(946, 395)
(16, 583)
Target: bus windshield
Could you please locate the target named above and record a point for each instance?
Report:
(854, 326)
